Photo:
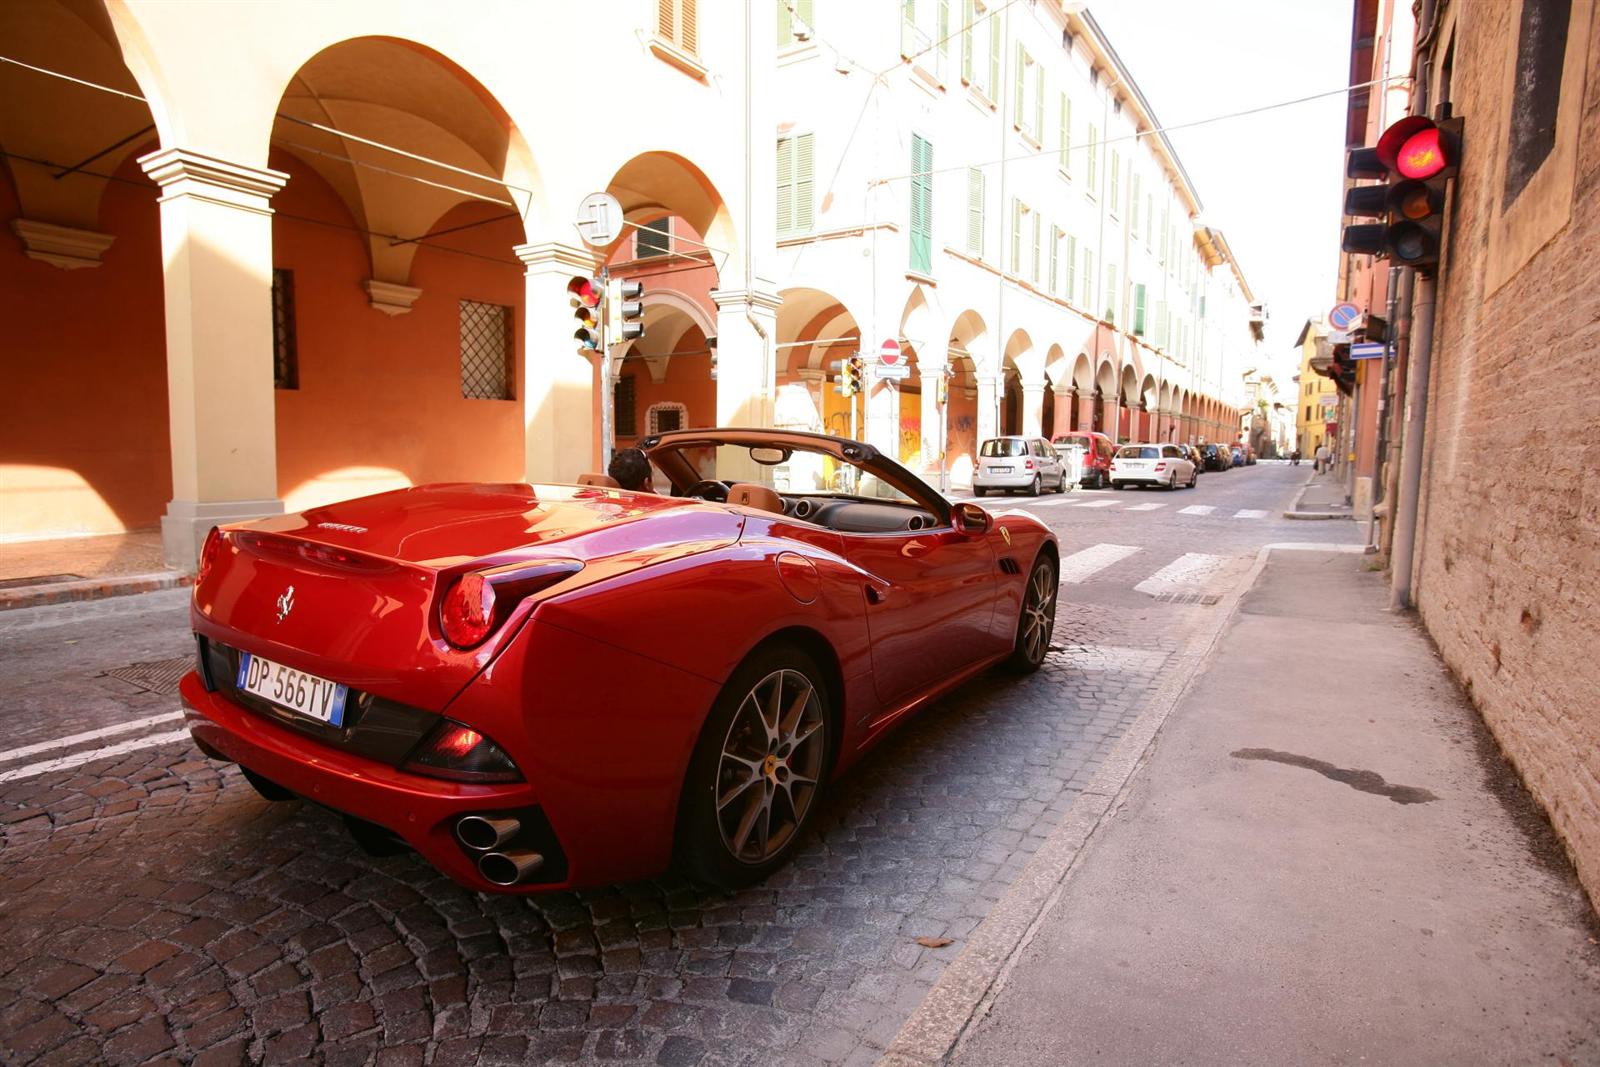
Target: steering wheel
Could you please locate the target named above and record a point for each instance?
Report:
(709, 489)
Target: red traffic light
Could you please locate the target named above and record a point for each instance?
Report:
(585, 291)
(1423, 155)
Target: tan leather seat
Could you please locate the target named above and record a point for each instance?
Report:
(752, 495)
(604, 481)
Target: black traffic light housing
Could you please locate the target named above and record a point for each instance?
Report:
(1419, 157)
(584, 294)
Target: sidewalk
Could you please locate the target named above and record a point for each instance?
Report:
(1322, 498)
(1324, 860)
(83, 568)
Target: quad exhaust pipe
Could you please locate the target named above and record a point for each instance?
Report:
(510, 868)
(482, 833)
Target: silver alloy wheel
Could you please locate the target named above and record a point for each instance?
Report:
(770, 763)
(1039, 614)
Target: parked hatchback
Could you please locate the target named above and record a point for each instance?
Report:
(1009, 463)
(1097, 452)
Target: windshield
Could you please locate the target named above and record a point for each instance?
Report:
(1005, 446)
(793, 469)
(1139, 452)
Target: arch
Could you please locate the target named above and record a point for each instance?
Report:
(656, 183)
(673, 300)
(920, 320)
(1083, 374)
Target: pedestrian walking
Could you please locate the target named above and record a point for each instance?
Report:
(1324, 458)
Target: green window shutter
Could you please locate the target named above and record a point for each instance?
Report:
(992, 86)
(1111, 293)
(942, 36)
(1149, 220)
(1094, 160)
(1158, 336)
(1088, 281)
(975, 211)
(1138, 309)
(921, 205)
(1033, 267)
(1114, 181)
(1038, 102)
(785, 24)
(1055, 261)
(1072, 268)
(1016, 236)
(803, 184)
(785, 185)
(1064, 132)
(1020, 90)
(1133, 209)
(966, 40)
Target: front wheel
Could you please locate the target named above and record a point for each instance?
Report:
(758, 770)
(1037, 620)
(1194, 477)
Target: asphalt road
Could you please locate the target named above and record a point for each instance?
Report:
(152, 905)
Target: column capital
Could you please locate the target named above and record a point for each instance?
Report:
(61, 246)
(1036, 388)
(553, 257)
(184, 172)
(754, 299)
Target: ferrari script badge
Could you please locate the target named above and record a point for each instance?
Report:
(286, 603)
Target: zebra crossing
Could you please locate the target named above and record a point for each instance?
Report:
(1197, 576)
(1124, 504)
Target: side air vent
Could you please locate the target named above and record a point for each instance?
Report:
(1009, 565)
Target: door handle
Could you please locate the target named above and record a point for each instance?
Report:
(876, 595)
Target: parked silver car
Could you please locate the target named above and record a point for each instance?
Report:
(1016, 462)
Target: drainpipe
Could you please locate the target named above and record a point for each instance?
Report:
(1417, 380)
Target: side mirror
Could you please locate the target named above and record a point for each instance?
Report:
(970, 519)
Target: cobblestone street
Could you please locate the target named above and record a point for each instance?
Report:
(152, 904)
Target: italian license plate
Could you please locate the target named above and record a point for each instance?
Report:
(999, 470)
(302, 693)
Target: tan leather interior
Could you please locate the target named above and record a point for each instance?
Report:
(605, 481)
(752, 495)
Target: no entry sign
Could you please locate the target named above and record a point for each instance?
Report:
(889, 354)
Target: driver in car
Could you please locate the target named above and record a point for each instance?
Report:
(631, 470)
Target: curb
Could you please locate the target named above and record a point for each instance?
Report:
(971, 981)
(92, 589)
(1317, 515)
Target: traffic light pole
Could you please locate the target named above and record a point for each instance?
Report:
(608, 395)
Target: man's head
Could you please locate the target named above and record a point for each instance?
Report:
(631, 470)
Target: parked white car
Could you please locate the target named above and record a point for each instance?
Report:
(1016, 462)
(1152, 464)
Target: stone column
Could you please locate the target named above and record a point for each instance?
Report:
(988, 407)
(561, 436)
(816, 379)
(934, 428)
(747, 337)
(1111, 415)
(216, 247)
(1085, 409)
(1032, 408)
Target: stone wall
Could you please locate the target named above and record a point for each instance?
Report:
(1509, 572)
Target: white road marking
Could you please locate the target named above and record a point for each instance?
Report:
(1188, 573)
(88, 735)
(1095, 504)
(33, 770)
(1043, 503)
(1081, 566)
(1197, 509)
(1146, 507)
(1249, 513)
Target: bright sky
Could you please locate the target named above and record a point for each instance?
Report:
(1271, 182)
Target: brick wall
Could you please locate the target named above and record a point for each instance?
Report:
(1509, 576)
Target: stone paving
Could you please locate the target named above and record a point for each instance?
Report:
(153, 906)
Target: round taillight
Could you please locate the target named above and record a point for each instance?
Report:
(208, 555)
(467, 614)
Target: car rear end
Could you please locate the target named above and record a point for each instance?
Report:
(1004, 463)
(1140, 465)
(381, 672)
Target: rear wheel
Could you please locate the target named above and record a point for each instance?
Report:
(1034, 486)
(1037, 620)
(1194, 477)
(758, 770)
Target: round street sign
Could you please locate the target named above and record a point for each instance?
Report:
(1343, 316)
(599, 219)
(889, 354)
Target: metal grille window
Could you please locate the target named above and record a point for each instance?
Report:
(664, 418)
(285, 352)
(485, 351)
(653, 239)
(623, 405)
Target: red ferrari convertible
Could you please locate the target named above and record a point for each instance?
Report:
(543, 687)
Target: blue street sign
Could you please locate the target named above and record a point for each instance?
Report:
(1367, 350)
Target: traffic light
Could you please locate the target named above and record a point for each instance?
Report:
(624, 310)
(854, 369)
(849, 372)
(584, 294)
(1418, 157)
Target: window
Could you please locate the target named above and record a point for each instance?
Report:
(485, 351)
(1138, 309)
(623, 407)
(794, 185)
(921, 205)
(1541, 56)
(285, 352)
(1019, 105)
(666, 417)
(1072, 268)
(1033, 267)
(1018, 210)
(677, 25)
(1055, 260)
(653, 239)
(1149, 221)
(1114, 179)
(992, 85)
(1038, 103)
(968, 15)
(975, 218)
(1133, 209)
(1064, 133)
(1158, 333)
(1112, 294)
(1088, 281)
(1092, 165)
(788, 11)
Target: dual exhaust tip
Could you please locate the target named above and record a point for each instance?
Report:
(487, 835)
